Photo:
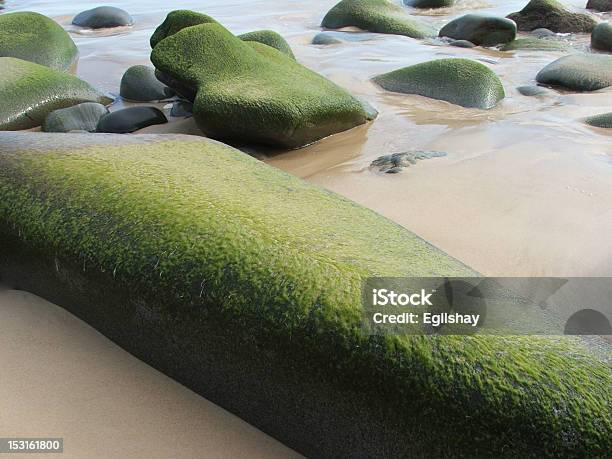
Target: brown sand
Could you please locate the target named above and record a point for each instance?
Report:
(61, 378)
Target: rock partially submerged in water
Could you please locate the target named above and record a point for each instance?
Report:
(29, 92)
(552, 15)
(140, 84)
(542, 32)
(535, 43)
(601, 38)
(533, 91)
(36, 38)
(599, 5)
(603, 121)
(130, 119)
(325, 38)
(245, 284)
(429, 3)
(397, 162)
(579, 72)
(182, 108)
(103, 17)
(247, 91)
(462, 44)
(458, 81)
(81, 117)
(270, 38)
(480, 29)
(381, 16)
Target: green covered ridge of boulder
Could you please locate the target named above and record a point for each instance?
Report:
(249, 92)
(601, 38)
(429, 3)
(270, 38)
(458, 81)
(29, 92)
(535, 43)
(480, 29)
(551, 14)
(36, 38)
(603, 121)
(380, 16)
(244, 283)
(578, 72)
(600, 5)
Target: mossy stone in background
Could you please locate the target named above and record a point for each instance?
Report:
(480, 29)
(36, 38)
(139, 83)
(429, 3)
(251, 93)
(103, 17)
(81, 117)
(458, 81)
(29, 92)
(535, 43)
(270, 38)
(601, 38)
(381, 16)
(579, 72)
(603, 121)
(600, 5)
(551, 14)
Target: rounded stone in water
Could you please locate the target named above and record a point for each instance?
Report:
(130, 120)
(103, 17)
(397, 162)
(140, 83)
(81, 117)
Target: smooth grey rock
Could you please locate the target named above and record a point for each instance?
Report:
(480, 29)
(601, 38)
(396, 162)
(462, 44)
(579, 72)
(532, 91)
(139, 83)
(182, 109)
(103, 17)
(130, 120)
(325, 39)
(81, 117)
(543, 33)
(429, 3)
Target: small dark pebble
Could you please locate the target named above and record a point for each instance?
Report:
(130, 120)
(182, 108)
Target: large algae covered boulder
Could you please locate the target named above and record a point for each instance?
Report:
(381, 16)
(249, 92)
(600, 5)
(480, 29)
(270, 38)
(29, 92)
(458, 81)
(578, 72)
(36, 38)
(244, 283)
(552, 15)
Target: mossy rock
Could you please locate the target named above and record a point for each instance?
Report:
(29, 92)
(458, 81)
(140, 84)
(270, 38)
(578, 72)
(429, 3)
(381, 16)
(551, 14)
(600, 5)
(480, 29)
(248, 92)
(36, 38)
(603, 121)
(244, 283)
(601, 38)
(535, 43)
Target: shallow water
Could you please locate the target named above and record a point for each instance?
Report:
(525, 188)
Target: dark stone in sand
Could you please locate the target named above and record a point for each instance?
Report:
(81, 117)
(480, 29)
(552, 15)
(182, 108)
(579, 72)
(392, 164)
(130, 120)
(601, 38)
(103, 17)
(325, 39)
(600, 5)
(429, 3)
(140, 83)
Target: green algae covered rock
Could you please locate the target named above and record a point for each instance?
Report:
(480, 29)
(551, 14)
(599, 5)
(578, 72)
(601, 38)
(29, 92)
(458, 81)
(603, 121)
(140, 84)
(270, 38)
(244, 283)
(535, 43)
(249, 92)
(36, 38)
(381, 16)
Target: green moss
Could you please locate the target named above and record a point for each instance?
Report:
(29, 92)
(381, 16)
(270, 38)
(578, 72)
(551, 14)
(601, 38)
(250, 92)
(458, 81)
(603, 121)
(535, 43)
(176, 21)
(220, 269)
(480, 29)
(36, 38)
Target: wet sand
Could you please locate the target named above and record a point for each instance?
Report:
(61, 378)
